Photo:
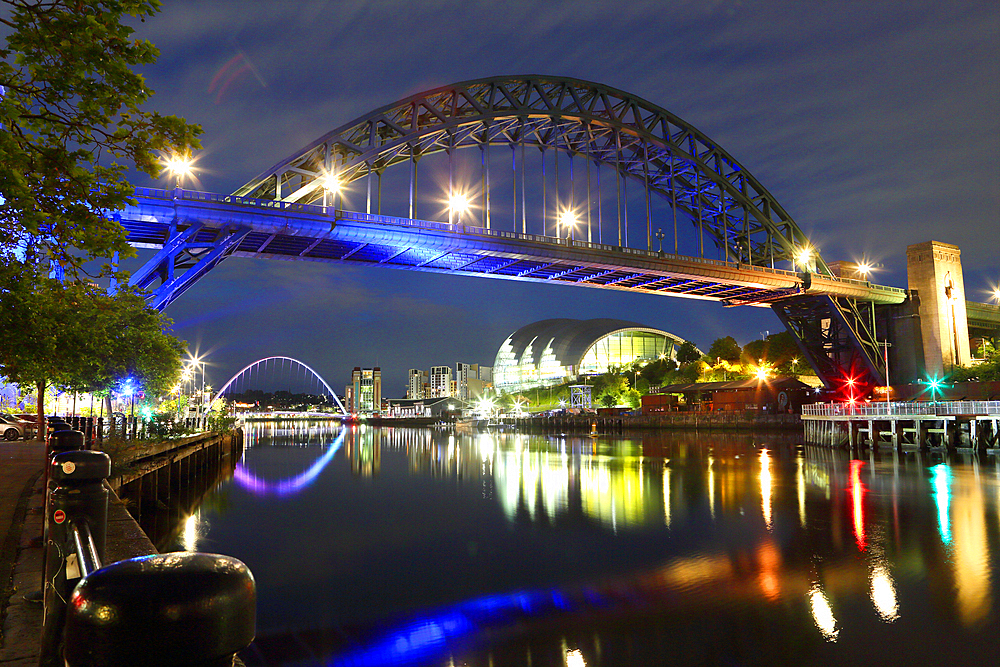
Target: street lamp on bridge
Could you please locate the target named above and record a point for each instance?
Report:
(180, 166)
(458, 203)
(567, 219)
(331, 186)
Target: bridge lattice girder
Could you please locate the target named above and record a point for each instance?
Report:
(641, 140)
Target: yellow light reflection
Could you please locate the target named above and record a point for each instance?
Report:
(666, 495)
(765, 487)
(711, 485)
(973, 561)
(800, 488)
(822, 614)
(574, 658)
(883, 594)
(189, 536)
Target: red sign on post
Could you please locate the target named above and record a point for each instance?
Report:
(59, 516)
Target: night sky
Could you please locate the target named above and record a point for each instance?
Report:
(874, 124)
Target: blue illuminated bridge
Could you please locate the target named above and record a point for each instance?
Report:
(539, 179)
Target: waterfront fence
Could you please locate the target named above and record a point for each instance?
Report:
(899, 409)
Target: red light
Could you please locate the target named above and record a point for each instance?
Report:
(857, 492)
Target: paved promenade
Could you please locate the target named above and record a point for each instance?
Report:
(21, 512)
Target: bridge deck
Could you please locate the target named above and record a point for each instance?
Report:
(291, 231)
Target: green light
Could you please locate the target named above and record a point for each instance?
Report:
(146, 412)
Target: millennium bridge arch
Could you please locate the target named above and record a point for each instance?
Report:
(295, 211)
(639, 140)
(270, 369)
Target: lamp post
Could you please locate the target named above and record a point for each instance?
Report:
(457, 203)
(180, 166)
(567, 219)
(331, 186)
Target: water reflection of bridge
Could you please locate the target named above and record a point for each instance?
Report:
(787, 498)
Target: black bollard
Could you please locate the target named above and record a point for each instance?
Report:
(77, 517)
(164, 610)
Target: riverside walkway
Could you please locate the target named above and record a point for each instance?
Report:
(21, 512)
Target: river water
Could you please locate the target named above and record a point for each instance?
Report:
(400, 546)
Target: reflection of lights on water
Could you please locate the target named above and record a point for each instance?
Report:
(857, 491)
(822, 614)
(290, 486)
(666, 495)
(765, 487)
(711, 485)
(574, 658)
(800, 487)
(189, 536)
(941, 484)
(883, 594)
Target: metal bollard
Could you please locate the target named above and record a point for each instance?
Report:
(164, 610)
(76, 512)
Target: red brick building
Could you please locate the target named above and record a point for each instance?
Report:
(777, 395)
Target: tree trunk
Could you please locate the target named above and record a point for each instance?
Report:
(40, 408)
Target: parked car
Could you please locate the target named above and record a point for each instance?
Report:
(12, 428)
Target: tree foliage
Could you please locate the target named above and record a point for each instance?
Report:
(77, 336)
(726, 349)
(778, 350)
(72, 118)
(987, 370)
(687, 353)
(72, 124)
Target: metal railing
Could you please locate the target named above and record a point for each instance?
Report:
(371, 218)
(902, 409)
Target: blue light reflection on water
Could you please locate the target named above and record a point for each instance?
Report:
(292, 485)
(941, 484)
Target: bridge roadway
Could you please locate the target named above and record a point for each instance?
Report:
(194, 231)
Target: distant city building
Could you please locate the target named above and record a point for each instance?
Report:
(440, 382)
(364, 394)
(463, 373)
(473, 380)
(553, 351)
(418, 380)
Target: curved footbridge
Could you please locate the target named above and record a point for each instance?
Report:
(905, 425)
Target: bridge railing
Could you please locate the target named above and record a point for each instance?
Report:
(882, 409)
(194, 195)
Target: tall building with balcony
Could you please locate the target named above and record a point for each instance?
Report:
(440, 381)
(365, 391)
(417, 379)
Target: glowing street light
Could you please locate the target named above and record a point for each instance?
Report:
(761, 373)
(803, 258)
(180, 166)
(996, 294)
(331, 184)
(458, 203)
(568, 220)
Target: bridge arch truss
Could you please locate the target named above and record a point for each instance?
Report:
(260, 367)
(639, 140)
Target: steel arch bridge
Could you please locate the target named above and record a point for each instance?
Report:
(260, 366)
(295, 210)
(640, 140)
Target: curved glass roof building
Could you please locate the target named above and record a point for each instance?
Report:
(553, 351)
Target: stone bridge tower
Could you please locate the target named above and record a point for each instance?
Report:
(934, 271)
